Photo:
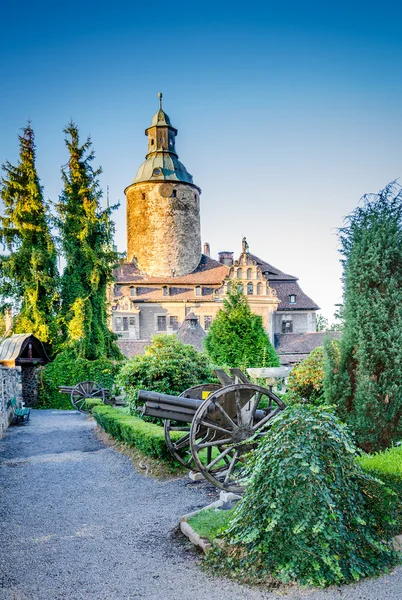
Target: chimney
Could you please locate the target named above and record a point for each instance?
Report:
(226, 258)
(207, 250)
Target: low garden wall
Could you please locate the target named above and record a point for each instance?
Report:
(10, 387)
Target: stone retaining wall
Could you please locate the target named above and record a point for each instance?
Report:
(10, 387)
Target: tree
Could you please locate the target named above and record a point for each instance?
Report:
(306, 379)
(29, 276)
(367, 382)
(321, 323)
(85, 231)
(237, 338)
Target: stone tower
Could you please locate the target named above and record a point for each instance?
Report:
(163, 208)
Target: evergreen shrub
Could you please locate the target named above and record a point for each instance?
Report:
(306, 379)
(146, 437)
(68, 369)
(304, 516)
(237, 337)
(167, 366)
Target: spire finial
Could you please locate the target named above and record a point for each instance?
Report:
(160, 100)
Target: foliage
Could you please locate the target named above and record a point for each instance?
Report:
(28, 270)
(68, 369)
(237, 338)
(210, 522)
(306, 488)
(368, 384)
(167, 366)
(86, 234)
(146, 437)
(306, 379)
(321, 323)
(387, 466)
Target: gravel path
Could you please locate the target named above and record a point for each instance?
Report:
(78, 522)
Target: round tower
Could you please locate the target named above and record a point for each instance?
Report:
(163, 208)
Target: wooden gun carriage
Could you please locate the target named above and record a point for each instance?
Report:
(211, 427)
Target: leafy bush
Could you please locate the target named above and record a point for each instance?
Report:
(167, 366)
(387, 466)
(146, 437)
(237, 337)
(68, 369)
(306, 379)
(304, 515)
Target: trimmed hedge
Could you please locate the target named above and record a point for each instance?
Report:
(146, 437)
(387, 466)
(68, 369)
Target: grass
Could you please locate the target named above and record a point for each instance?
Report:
(210, 522)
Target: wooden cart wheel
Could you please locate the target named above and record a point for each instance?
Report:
(180, 448)
(84, 390)
(242, 415)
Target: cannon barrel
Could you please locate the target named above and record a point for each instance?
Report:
(191, 403)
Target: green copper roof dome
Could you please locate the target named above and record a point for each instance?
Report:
(162, 162)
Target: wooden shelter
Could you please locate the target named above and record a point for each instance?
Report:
(24, 350)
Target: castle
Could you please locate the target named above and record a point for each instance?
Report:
(167, 277)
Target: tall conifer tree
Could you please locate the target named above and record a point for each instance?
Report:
(28, 270)
(364, 378)
(85, 231)
(237, 338)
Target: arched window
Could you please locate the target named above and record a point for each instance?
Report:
(165, 290)
(292, 298)
(249, 273)
(250, 290)
(174, 194)
(198, 290)
(259, 289)
(132, 291)
(239, 273)
(240, 288)
(258, 274)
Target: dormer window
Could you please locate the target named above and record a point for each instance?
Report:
(165, 290)
(292, 298)
(132, 291)
(156, 172)
(198, 290)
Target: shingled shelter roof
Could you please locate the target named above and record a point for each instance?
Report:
(294, 347)
(190, 332)
(22, 348)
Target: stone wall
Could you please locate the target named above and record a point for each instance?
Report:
(10, 387)
(30, 385)
(163, 228)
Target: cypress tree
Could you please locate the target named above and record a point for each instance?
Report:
(85, 232)
(365, 377)
(237, 338)
(28, 269)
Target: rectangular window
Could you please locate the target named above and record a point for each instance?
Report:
(125, 323)
(198, 291)
(161, 323)
(132, 322)
(118, 324)
(207, 322)
(287, 326)
(174, 323)
(292, 298)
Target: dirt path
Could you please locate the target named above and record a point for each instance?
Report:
(78, 522)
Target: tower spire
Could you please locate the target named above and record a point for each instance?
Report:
(160, 100)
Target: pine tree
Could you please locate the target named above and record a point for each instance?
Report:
(365, 378)
(237, 338)
(85, 231)
(28, 270)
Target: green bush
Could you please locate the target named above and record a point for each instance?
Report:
(68, 369)
(387, 466)
(146, 437)
(304, 516)
(306, 379)
(167, 366)
(91, 403)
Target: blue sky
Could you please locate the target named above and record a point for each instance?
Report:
(287, 114)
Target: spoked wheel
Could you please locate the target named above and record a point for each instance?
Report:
(241, 415)
(177, 435)
(83, 391)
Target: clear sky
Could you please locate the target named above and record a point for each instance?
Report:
(288, 112)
